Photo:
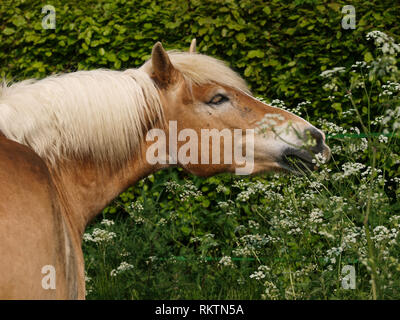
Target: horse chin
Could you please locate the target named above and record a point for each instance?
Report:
(297, 161)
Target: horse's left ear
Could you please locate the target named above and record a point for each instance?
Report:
(163, 70)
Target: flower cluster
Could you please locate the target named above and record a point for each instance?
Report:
(124, 266)
(384, 43)
(226, 261)
(331, 73)
(185, 192)
(99, 235)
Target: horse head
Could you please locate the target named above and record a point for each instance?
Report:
(213, 110)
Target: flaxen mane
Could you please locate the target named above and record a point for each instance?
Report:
(102, 114)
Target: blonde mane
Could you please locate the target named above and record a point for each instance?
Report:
(101, 114)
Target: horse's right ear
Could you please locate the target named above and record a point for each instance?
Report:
(192, 48)
(164, 72)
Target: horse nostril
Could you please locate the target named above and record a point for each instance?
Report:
(316, 134)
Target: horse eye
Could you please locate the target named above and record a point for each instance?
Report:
(218, 99)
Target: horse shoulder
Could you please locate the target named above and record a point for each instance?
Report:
(32, 231)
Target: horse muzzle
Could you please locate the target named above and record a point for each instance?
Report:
(305, 158)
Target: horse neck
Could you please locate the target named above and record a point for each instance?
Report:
(85, 189)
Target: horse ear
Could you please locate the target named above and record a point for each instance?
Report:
(163, 70)
(192, 48)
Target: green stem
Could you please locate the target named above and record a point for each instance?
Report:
(371, 255)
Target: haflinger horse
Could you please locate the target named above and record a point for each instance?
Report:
(71, 143)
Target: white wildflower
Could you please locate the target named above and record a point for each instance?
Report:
(124, 266)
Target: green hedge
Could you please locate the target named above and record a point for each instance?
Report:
(280, 47)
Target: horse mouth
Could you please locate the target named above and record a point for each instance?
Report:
(297, 161)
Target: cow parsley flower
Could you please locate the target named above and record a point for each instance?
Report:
(124, 266)
(258, 275)
(330, 73)
(107, 222)
(226, 261)
(384, 43)
(99, 235)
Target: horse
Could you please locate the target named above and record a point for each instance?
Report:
(70, 143)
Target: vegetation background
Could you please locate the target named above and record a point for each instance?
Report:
(174, 235)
